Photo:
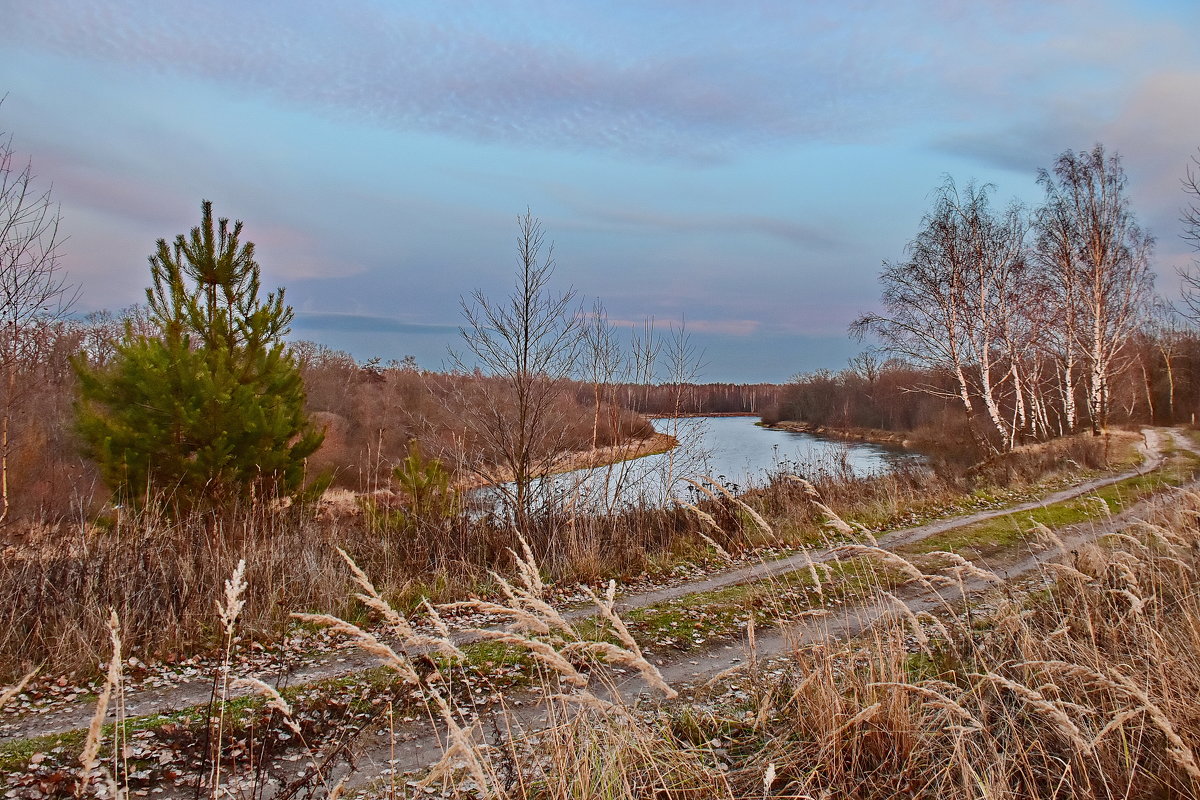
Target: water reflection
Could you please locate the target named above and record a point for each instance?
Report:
(731, 450)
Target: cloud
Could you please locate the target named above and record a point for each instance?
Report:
(629, 78)
(364, 323)
(122, 194)
(1152, 122)
(727, 327)
(790, 231)
(289, 253)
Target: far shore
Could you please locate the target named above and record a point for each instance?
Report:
(345, 501)
(704, 414)
(847, 434)
(581, 459)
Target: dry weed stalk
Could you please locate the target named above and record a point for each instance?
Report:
(541, 651)
(89, 758)
(229, 611)
(1046, 535)
(1179, 751)
(10, 692)
(366, 641)
(630, 653)
(715, 545)
(274, 699)
(935, 699)
(891, 559)
(371, 598)
(704, 489)
(901, 610)
(235, 589)
(832, 519)
(522, 620)
(1037, 701)
(709, 521)
(460, 751)
(701, 514)
(963, 566)
(762, 524)
(809, 490)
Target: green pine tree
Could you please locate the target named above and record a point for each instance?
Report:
(210, 409)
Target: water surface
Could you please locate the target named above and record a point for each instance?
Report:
(737, 450)
(731, 450)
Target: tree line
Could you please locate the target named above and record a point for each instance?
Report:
(1029, 319)
(1026, 324)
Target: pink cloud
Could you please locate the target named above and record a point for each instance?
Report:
(727, 327)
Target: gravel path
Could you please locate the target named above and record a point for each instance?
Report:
(421, 748)
(687, 668)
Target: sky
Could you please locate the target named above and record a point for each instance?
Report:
(740, 169)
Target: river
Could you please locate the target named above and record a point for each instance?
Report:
(736, 450)
(731, 450)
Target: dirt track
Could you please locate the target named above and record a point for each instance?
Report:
(844, 622)
(196, 691)
(418, 745)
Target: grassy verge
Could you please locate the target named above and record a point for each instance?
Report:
(1085, 689)
(171, 745)
(996, 535)
(691, 621)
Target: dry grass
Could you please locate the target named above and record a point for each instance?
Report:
(1086, 690)
(163, 577)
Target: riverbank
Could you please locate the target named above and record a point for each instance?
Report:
(698, 415)
(847, 434)
(583, 459)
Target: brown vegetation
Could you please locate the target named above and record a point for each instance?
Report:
(372, 413)
(1086, 690)
(1078, 683)
(59, 581)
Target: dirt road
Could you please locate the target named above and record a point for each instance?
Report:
(418, 745)
(196, 691)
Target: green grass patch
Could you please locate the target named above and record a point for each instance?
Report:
(688, 622)
(996, 535)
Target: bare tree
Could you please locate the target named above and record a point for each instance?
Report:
(34, 292)
(528, 343)
(602, 362)
(1056, 254)
(1104, 258)
(946, 306)
(867, 365)
(996, 266)
(682, 365)
(1169, 339)
(1191, 233)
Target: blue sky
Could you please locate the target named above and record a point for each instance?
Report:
(746, 166)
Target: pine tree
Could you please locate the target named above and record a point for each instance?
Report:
(211, 408)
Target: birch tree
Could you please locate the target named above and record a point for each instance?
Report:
(1057, 257)
(1191, 234)
(948, 305)
(1108, 268)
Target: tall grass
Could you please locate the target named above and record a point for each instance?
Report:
(1086, 688)
(163, 575)
(1082, 682)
